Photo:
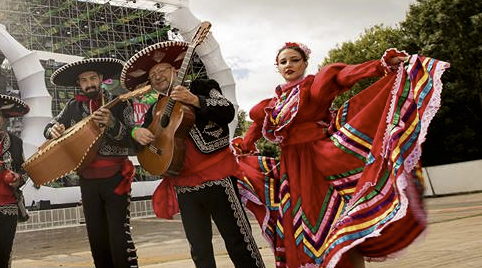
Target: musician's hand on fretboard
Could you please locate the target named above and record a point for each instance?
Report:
(56, 130)
(182, 94)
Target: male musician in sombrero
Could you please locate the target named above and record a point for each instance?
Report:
(205, 187)
(105, 183)
(12, 176)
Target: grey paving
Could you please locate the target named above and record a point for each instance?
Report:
(453, 239)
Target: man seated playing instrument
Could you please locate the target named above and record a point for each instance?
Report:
(205, 187)
(105, 183)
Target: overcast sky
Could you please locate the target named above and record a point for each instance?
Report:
(249, 33)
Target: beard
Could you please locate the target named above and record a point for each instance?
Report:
(92, 94)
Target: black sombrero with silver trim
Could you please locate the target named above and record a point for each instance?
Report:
(67, 74)
(136, 69)
(12, 106)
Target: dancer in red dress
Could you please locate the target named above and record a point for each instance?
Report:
(347, 186)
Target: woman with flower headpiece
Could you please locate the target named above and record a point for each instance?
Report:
(12, 177)
(348, 186)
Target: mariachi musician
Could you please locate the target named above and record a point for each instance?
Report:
(105, 183)
(206, 186)
(12, 177)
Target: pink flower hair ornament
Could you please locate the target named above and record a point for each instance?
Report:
(301, 46)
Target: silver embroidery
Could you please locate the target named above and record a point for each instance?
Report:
(184, 189)
(216, 99)
(6, 157)
(7, 160)
(244, 225)
(213, 129)
(207, 147)
(241, 220)
(131, 248)
(106, 149)
(128, 118)
(86, 109)
(6, 142)
(9, 210)
(59, 115)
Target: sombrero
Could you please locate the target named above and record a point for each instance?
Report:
(67, 74)
(12, 106)
(136, 69)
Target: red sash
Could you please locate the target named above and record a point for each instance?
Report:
(105, 167)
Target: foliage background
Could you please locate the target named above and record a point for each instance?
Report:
(449, 30)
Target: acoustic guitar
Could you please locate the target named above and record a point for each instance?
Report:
(74, 149)
(171, 123)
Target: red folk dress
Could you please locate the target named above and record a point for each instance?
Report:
(347, 180)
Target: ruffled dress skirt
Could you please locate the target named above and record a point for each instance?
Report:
(360, 185)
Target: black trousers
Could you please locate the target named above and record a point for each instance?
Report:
(107, 218)
(218, 200)
(8, 225)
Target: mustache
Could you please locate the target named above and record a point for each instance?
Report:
(91, 93)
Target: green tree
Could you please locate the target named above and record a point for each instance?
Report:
(451, 30)
(265, 147)
(370, 45)
(243, 124)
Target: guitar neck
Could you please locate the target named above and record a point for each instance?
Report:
(124, 97)
(112, 103)
(181, 75)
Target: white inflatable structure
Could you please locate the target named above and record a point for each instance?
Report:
(209, 53)
(31, 82)
(30, 78)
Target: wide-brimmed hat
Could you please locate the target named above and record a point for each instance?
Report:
(67, 74)
(136, 69)
(12, 106)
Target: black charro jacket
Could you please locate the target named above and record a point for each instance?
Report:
(117, 140)
(210, 131)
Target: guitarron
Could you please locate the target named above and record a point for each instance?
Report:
(74, 149)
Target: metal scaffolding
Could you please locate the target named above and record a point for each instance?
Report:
(83, 28)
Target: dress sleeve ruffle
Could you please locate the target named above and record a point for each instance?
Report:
(254, 133)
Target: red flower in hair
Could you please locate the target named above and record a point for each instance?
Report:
(291, 44)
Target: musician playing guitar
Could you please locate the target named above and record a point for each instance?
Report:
(205, 187)
(105, 183)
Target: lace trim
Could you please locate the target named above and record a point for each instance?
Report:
(402, 182)
(432, 108)
(391, 52)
